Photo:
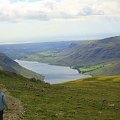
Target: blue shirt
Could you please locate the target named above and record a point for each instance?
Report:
(3, 102)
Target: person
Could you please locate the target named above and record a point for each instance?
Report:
(3, 104)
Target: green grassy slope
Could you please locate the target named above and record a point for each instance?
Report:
(7, 64)
(108, 68)
(86, 99)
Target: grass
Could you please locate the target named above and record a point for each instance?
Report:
(16, 109)
(107, 68)
(48, 53)
(41, 56)
(28, 73)
(94, 98)
(92, 68)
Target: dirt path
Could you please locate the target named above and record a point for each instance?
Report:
(16, 110)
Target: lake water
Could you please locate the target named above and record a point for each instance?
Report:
(53, 74)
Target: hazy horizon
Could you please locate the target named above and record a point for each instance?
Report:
(43, 41)
(58, 20)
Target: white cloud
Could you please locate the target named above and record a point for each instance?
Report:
(55, 9)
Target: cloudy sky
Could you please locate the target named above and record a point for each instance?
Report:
(56, 20)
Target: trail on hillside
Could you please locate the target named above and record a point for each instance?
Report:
(16, 110)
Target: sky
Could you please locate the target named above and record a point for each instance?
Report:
(58, 20)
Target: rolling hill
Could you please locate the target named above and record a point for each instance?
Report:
(18, 51)
(95, 57)
(94, 98)
(68, 53)
(91, 52)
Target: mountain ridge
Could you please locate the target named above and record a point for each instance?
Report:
(91, 53)
(94, 51)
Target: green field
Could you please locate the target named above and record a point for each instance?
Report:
(92, 69)
(107, 68)
(96, 98)
(44, 56)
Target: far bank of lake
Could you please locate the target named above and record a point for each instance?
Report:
(53, 73)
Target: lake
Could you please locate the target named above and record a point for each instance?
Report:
(53, 73)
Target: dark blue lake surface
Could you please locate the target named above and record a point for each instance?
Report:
(53, 74)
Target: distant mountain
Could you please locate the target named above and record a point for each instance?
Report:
(18, 51)
(90, 52)
(96, 57)
(7, 64)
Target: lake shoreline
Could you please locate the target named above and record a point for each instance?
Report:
(53, 73)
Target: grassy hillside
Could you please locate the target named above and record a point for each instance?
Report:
(86, 99)
(91, 52)
(107, 68)
(7, 64)
(18, 51)
(98, 57)
(88, 56)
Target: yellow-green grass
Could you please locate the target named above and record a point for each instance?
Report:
(90, 69)
(47, 53)
(109, 68)
(95, 98)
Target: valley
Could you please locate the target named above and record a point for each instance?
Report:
(95, 57)
(53, 74)
(91, 98)
(60, 59)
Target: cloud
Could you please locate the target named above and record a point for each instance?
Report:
(17, 10)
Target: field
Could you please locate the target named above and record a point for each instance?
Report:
(106, 68)
(94, 98)
(94, 68)
(44, 56)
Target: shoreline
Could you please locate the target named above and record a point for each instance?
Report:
(53, 73)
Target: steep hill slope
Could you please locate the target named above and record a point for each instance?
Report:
(86, 99)
(7, 64)
(98, 57)
(91, 52)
